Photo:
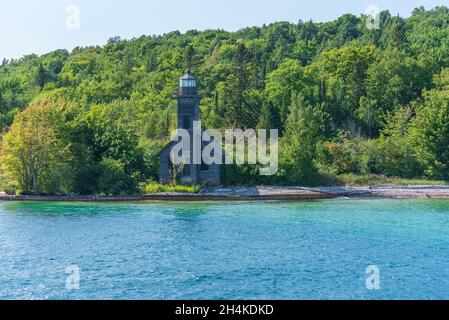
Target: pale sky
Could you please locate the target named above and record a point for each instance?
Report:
(28, 26)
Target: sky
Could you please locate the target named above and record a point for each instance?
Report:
(42, 26)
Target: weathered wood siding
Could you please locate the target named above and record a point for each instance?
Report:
(211, 176)
(164, 167)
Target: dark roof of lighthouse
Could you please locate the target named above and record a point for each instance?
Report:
(188, 76)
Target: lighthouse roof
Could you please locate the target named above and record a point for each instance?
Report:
(188, 76)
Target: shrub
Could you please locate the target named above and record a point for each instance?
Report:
(157, 188)
(113, 179)
(356, 155)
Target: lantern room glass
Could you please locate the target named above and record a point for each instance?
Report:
(188, 83)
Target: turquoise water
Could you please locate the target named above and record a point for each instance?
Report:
(307, 250)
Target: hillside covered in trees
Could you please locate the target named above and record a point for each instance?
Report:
(346, 99)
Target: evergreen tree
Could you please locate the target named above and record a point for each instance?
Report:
(41, 77)
(305, 126)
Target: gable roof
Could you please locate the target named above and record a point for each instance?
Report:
(167, 146)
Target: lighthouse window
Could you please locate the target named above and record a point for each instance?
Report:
(189, 83)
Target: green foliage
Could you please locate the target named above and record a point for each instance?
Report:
(153, 188)
(110, 109)
(113, 180)
(355, 155)
(7, 118)
(396, 148)
(283, 84)
(239, 175)
(33, 156)
(304, 128)
(352, 179)
(430, 129)
(151, 151)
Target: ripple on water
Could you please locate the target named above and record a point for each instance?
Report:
(275, 250)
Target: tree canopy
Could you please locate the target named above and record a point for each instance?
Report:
(341, 94)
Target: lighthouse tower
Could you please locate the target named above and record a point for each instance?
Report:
(188, 112)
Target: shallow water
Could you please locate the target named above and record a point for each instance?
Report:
(277, 250)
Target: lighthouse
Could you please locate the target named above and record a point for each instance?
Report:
(188, 100)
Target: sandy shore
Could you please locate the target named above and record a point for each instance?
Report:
(264, 193)
(397, 192)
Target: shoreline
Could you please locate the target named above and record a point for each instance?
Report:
(265, 193)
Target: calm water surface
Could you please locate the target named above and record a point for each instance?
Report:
(275, 250)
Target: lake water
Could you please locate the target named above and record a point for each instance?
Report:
(277, 250)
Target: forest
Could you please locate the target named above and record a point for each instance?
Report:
(348, 101)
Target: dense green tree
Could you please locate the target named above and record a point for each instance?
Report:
(41, 76)
(430, 129)
(283, 84)
(299, 146)
(396, 149)
(34, 159)
(113, 179)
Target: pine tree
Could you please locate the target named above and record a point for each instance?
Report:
(41, 77)
(189, 57)
(4, 63)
